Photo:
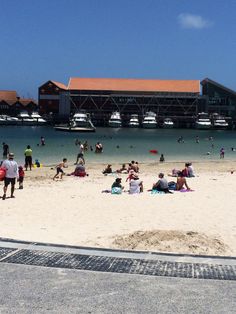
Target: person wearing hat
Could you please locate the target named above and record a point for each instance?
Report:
(135, 185)
(11, 174)
(162, 184)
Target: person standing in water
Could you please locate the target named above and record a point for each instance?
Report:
(42, 141)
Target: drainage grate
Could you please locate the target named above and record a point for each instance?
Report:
(5, 251)
(122, 265)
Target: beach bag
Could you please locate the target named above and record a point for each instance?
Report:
(2, 173)
(116, 190)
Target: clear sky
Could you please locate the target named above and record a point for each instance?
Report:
(43, 40)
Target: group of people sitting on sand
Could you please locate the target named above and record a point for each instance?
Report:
(162, 185)
(133, 165)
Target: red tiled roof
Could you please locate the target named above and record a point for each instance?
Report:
(190, 86)
(60, 85)
(8, 95)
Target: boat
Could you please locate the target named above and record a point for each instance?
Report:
(7, 120)
(80, 122)
(219, 122)
(115, 120)
(149, 120)
(134, 121)
(168, 123)
(25, 118)
(38, 118)
(2, 120)
(203, 121)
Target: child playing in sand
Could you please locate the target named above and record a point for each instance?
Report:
(59, 168)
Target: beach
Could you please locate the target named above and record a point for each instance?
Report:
(74, 211)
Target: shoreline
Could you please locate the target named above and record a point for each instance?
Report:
(75, 212)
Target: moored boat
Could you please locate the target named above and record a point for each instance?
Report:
(149, 120)
(134, 121)
(80, 122)
(203, 121)
(219, 122)
(115, 120)
(168, 123)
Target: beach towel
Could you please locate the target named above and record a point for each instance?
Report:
(185, 190)
(157, 192)
(116, 190)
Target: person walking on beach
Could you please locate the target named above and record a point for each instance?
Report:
(11, 174)
(5, 151)
(80, 155)
(28, 158)
(59, 168)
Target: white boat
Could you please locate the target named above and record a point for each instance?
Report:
(25, 118)
(7, 120)
(149, 120)
(80, 122)
(115, 120)
(203, 121)
(219, 121)
(12, 120)
(38, 118)
(168, 123)
(2, 120)
(134, 121)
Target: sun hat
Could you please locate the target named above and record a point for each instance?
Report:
(11, 155)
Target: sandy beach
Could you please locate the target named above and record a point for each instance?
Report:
(75, 211)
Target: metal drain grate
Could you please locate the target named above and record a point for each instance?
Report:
(5, 251)
(122, 265)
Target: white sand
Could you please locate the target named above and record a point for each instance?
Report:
(74, 211)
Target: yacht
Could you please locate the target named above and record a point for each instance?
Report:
(25, 118)
(203, 121)
(115, 120)
(80, 122)
(219, 121)
(37, 118)
(3, 120)
(149, 120)
(134, 121)
(7, 120)
(168, 123)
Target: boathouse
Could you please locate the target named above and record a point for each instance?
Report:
(178, 99)
(11, 104)
(218, 98)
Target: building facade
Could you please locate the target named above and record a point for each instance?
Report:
(219, 98)
(178, 99)
(11, 104)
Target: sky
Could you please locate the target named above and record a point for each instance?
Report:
(147, 39)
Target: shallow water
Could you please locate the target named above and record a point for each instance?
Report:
(120, 145)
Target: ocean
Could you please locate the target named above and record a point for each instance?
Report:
(120, 145)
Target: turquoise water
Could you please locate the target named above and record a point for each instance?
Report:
(120, 145)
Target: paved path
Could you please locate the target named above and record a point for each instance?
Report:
(58, 285)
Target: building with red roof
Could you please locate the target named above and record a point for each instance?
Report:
(12, 104)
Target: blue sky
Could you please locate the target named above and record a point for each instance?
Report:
(153, 39)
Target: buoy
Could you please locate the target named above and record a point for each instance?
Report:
(153, 151)
(2, 174)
